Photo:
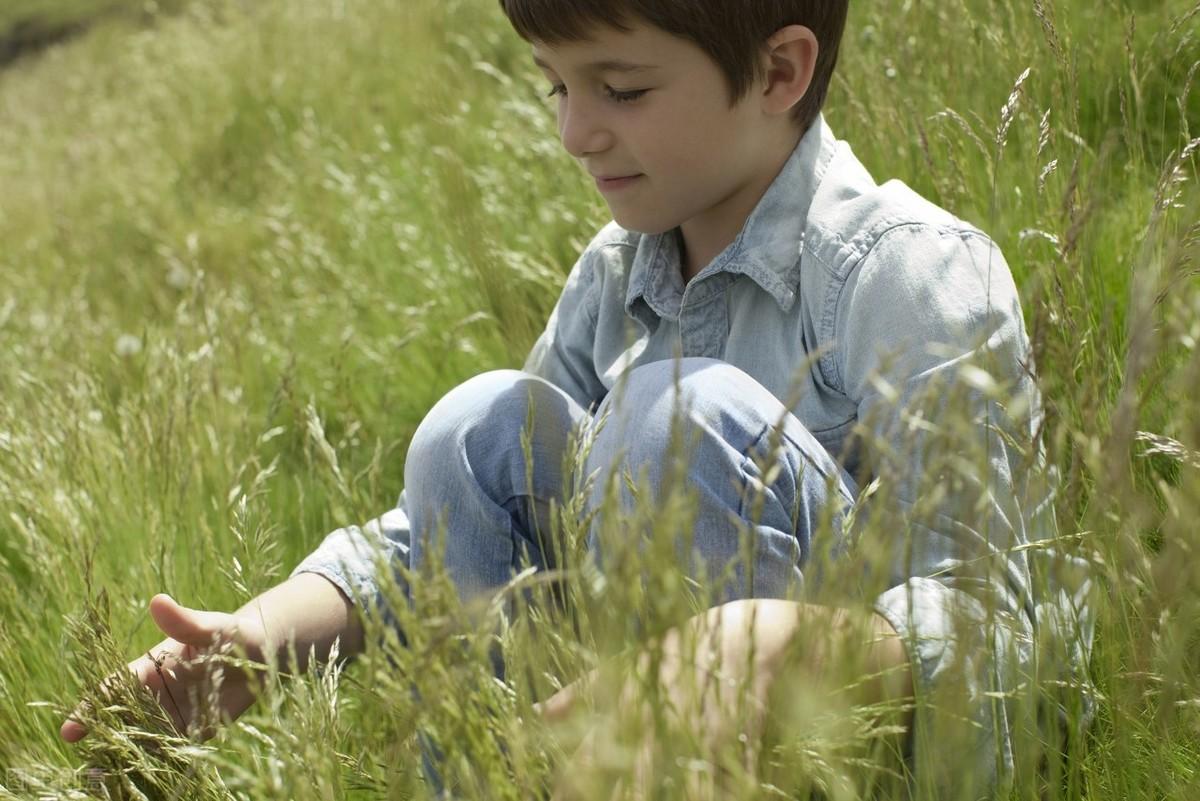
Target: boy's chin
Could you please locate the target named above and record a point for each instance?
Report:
(639, 225)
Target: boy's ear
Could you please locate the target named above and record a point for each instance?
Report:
(790, 60)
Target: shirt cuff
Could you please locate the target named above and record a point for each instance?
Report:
(966, 667)
(353, 558)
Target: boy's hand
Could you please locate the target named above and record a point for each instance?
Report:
(178, 669)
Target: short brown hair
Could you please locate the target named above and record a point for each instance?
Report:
(733, 33)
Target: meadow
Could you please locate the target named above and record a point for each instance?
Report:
(244, 247)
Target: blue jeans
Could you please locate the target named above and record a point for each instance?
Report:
(466, 468)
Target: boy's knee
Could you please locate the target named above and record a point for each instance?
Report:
(638, 414)
(496, 403)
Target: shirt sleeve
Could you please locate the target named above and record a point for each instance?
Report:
(563, 354)
(354, 558)
(932, 347)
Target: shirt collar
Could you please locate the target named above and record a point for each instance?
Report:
(767, 250)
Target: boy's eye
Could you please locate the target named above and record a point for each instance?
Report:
(613, 94)
(625, 97)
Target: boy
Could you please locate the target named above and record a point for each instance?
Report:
(749, 240)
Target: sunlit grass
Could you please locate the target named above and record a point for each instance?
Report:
(252, 217)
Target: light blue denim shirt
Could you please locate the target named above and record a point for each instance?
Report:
(846, 299)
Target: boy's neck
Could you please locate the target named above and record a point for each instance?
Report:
(703, 238)
(688, 269)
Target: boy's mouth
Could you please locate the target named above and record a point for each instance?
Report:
(612, 184)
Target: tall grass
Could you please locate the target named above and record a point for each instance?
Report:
(244, 251)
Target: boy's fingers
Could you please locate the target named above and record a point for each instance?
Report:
(558, 706)
(72, 730)
(191, 626)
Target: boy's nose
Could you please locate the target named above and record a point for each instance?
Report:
(582, 130)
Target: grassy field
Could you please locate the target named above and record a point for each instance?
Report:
(245, 249)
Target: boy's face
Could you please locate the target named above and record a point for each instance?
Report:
(658, 116)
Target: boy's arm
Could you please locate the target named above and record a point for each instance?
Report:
(348, 559)
(312, 610)
(934, 352)
(562, 353)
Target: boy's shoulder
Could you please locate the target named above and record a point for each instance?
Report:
(851, 213)
(888, 243)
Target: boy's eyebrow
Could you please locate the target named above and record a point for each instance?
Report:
(605, 65)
